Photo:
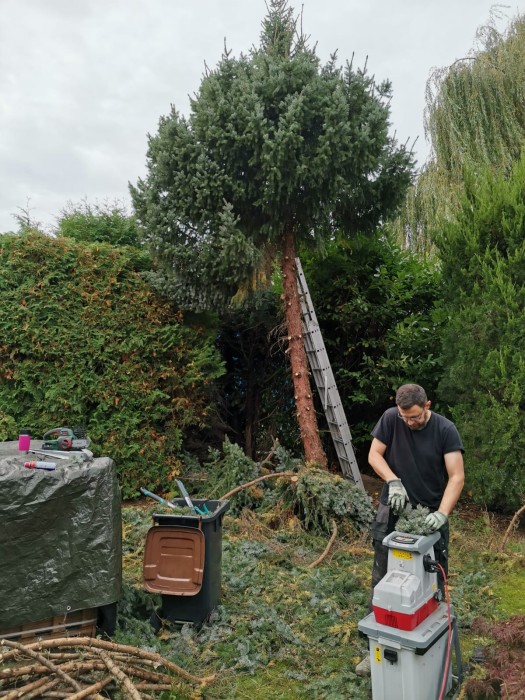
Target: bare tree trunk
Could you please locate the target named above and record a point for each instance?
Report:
(306, 418)
(253, 397)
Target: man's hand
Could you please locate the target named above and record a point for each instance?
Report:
(436, 520)
(397, 496)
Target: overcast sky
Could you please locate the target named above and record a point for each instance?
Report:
(82, 82)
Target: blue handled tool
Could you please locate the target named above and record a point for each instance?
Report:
(158, 498)
(188, 500)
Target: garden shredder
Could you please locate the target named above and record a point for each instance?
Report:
(410, 630)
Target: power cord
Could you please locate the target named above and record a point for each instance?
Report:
(432, 565)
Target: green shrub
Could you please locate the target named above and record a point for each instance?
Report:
(483, 263)
(85, 341)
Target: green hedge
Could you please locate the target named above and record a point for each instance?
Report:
(85, 341)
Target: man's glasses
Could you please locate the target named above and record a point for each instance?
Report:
(412, 419)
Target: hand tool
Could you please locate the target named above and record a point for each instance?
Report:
(66, 438)
(188, 500)
(46, 466)
(158, 498)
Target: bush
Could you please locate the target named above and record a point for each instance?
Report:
(87, 342)
(483, 264)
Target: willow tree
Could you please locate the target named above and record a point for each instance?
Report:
(470, 204)
(475, 118)
(278, 151)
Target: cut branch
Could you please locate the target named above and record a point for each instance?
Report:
(43, 660)
(256, 481)
(328, 547)
(511, 526)
(119, 675)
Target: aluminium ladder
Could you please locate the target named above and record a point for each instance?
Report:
(325, 382)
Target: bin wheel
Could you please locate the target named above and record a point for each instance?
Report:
(107, 619)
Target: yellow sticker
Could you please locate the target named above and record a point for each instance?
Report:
(401, 554)
(377, 654)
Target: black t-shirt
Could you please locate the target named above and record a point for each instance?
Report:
(417, 456)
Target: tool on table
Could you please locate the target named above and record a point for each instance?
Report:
(66, 439)
(188, 500)
(158, 498)
(79, 455)
(46, 466)
(43, 453)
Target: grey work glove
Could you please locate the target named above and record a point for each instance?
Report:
(436, 520)
(397, 496)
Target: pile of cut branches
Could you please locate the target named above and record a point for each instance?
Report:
(81, 667)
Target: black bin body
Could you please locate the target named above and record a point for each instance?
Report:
(196, 608)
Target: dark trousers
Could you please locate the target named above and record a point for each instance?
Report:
(384, 524)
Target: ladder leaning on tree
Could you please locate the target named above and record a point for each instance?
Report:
(325, 382)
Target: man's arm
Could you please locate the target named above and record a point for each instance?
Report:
(456, 479)
(378, 462)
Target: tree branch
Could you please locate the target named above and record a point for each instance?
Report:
(327, 548)
(289, 475)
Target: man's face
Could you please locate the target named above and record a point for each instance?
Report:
(415, 417)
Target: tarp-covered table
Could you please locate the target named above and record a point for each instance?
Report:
(60, 536)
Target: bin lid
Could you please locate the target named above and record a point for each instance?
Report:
(174, 560)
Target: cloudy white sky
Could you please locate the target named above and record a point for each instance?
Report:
(82, 82)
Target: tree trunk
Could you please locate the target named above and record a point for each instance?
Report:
(251, 408)
(306, 418)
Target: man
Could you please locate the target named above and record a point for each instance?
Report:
(419, 455)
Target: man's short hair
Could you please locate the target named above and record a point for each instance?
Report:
(410, 395)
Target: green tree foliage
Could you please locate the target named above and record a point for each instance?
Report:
(86, 341)
(274, 140)
(483, 254)
(98, 223)
(278, 151)
(376, 307)
(256, 390)
(475, 118)
(476, 107)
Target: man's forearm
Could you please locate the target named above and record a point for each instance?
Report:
(451, 495)
(380, 466)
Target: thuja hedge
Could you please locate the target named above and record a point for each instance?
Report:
(85, 341)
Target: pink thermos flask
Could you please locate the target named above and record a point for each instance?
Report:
(24, 440)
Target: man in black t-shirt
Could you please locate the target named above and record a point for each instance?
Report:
(419, 455)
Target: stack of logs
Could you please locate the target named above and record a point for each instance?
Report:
(81, 667)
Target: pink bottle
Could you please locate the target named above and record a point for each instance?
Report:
(24, 440)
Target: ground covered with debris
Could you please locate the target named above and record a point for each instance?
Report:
(295, 583)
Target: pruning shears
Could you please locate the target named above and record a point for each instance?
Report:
(188, 500)
(158, 498)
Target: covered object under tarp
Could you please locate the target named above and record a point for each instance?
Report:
(60, 537)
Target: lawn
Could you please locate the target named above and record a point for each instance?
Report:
(285, 629)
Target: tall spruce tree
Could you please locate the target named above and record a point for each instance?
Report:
(278, 152)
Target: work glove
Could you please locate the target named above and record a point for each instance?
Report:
(436, 520)
(397, 496)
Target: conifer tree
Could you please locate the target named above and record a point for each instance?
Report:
(483, 253)
(278, 152)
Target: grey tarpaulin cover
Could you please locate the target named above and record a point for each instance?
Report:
(60, 537)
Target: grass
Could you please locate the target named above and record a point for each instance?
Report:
(285, 631)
